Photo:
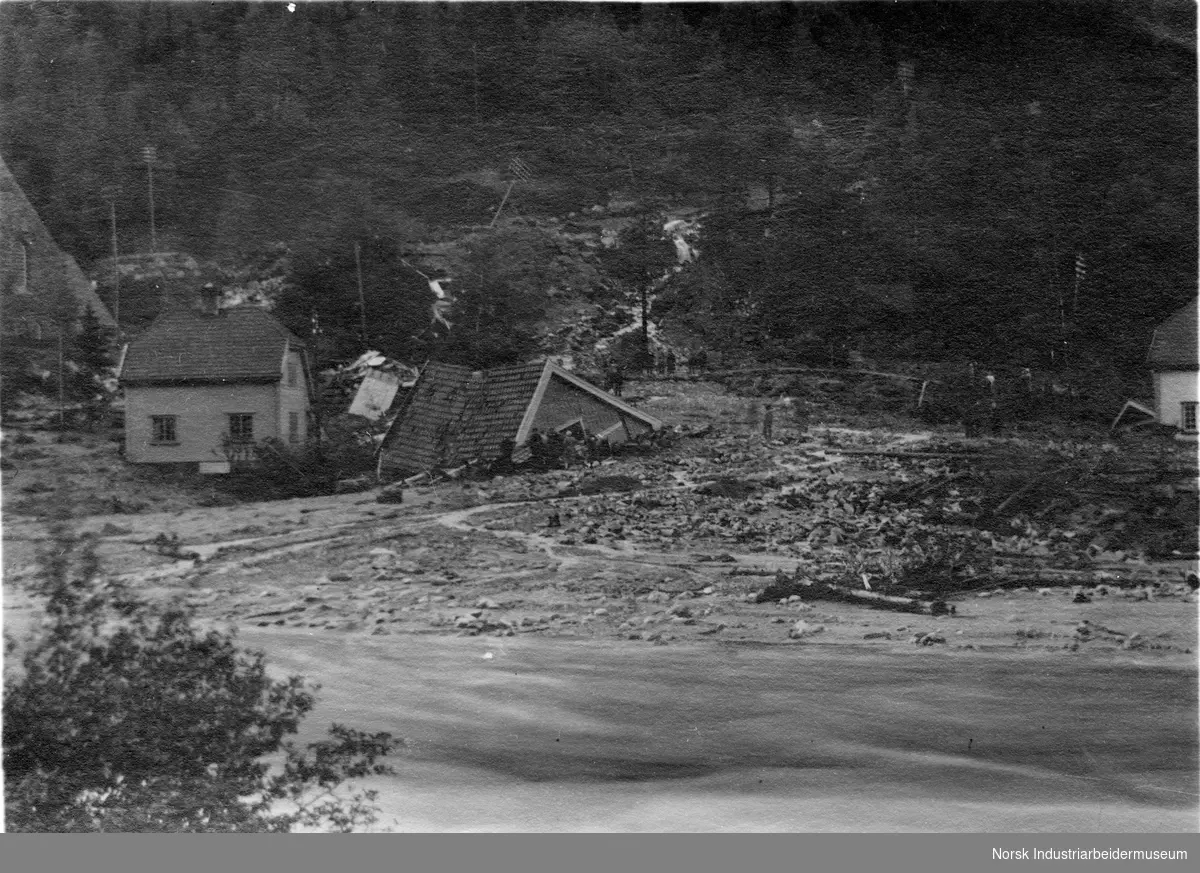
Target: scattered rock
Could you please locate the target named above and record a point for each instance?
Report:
(393, 493)
(803, 629)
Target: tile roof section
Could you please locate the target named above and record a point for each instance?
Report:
(1174, 346)
(455, 414)
(421, 433)
(498, 402)
(241, 344)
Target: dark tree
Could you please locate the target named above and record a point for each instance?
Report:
(91, 351)
(125, 716)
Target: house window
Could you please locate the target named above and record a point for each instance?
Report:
(1187, 416)
(241, 427)
(293, 374)
(162, 430)
(23, 269)
(293, 427)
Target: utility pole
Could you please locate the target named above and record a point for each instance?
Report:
(502, 202)
(1080, 272)
(149, 156)
(110, 192)
(62, 410)
(362, 302)
(318, 398)
(645, 318)
(475, 56)
(1062, 326)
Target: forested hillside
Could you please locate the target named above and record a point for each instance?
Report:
(971, 150)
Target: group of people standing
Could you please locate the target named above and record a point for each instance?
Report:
(564, 449)
(647, 363)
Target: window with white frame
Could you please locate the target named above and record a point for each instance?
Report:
(163, 430)
(1187, 416)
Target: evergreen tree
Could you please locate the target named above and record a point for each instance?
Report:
(91, 351)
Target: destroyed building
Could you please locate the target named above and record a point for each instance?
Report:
(455, 415)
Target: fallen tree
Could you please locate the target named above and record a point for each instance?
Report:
(786, 587)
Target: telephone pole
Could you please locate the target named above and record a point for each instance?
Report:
(62, 403)
(149, 156)
(475, 66)
(362, 302)
(110, 192)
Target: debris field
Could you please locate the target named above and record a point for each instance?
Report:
(828, 536)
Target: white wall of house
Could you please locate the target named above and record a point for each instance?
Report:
(1172, 389)
(293, 401)
(201, 419)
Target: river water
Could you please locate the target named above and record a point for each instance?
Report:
(529, 734)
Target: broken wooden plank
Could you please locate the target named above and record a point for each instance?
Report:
(873, 599)
(1030, 485)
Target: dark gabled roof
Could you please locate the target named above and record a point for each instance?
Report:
(242, 344)
(1174, 346)
(456, 414)
(48, 267)
(497, 405)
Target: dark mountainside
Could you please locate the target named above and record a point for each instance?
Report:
(972, 150)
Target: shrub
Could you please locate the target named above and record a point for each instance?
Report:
(126, 717)
(282, 471)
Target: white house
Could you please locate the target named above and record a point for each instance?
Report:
(1173, 358)
(204, 388)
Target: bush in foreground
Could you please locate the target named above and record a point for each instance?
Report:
(126, 717)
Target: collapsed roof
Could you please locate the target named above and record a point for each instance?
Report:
(455, 414)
